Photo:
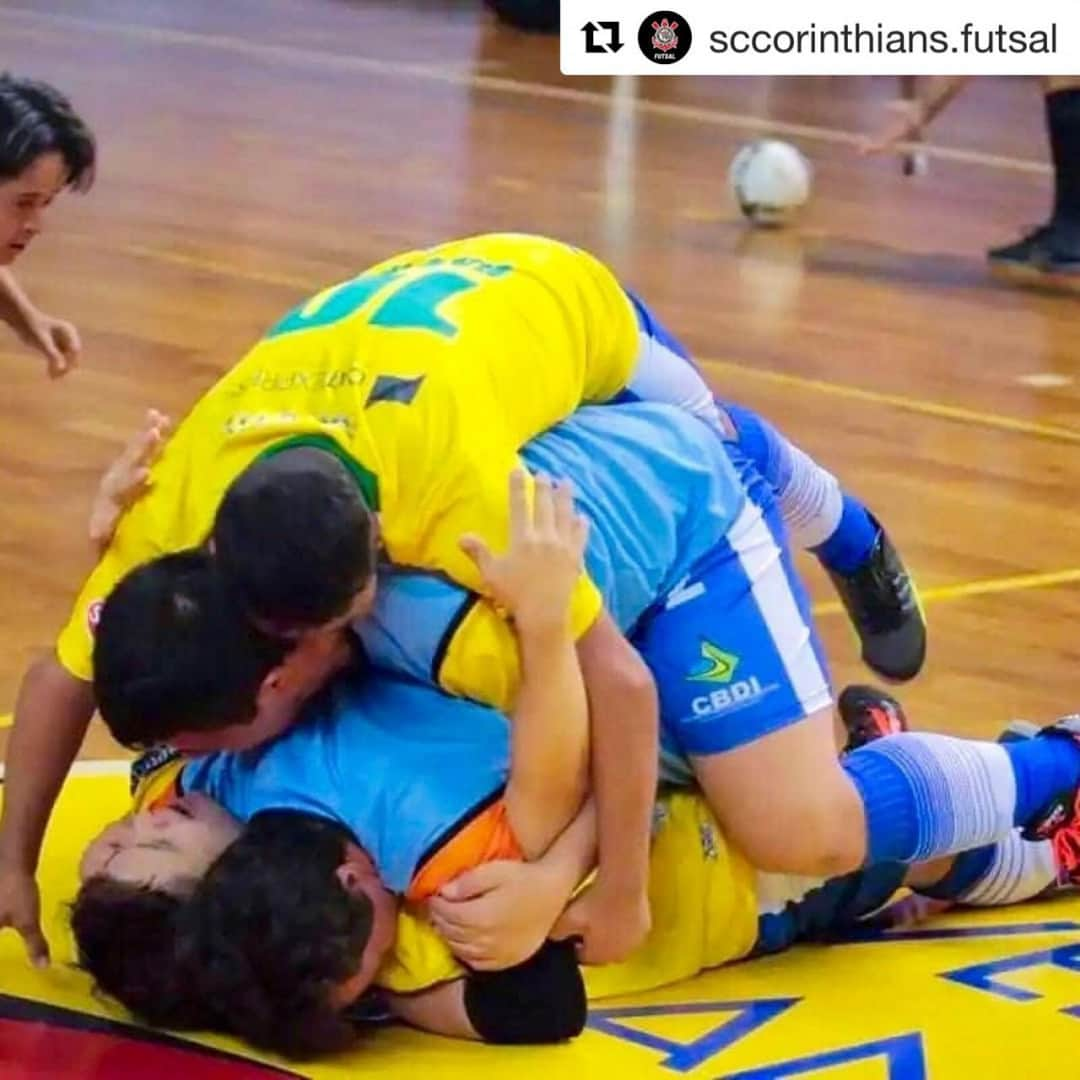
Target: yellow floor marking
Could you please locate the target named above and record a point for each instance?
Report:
(923, 406)
(962, 590)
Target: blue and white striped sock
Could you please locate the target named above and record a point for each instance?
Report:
(1008, 872)
(928, 795)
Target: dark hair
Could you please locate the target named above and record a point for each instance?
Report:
(255, 950)
(295, 537)
(126, 939)
(174, 651)
(36, 119)
(276, 932)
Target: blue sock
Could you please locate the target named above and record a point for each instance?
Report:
(850, 545)
(818, 514)
(762, 444)
(928, 795)
(1044, 769)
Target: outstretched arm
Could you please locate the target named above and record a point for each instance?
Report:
(58, 341)
(52, 712)
(908, 118)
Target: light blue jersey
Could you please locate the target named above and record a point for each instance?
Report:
(659, 490)
(403, 767)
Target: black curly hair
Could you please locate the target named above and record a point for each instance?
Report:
(255, 949)
(277, 934)
(128, 938)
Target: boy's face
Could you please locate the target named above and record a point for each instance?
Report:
(317, 657)
(169, 848)
(23, 201)
(164, 848)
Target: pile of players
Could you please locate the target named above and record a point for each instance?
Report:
(460, 626)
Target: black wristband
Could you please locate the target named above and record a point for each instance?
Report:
(539, 1001)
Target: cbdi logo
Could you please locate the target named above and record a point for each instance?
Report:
(665, 37)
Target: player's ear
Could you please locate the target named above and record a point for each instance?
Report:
(364, 600)
(349, 878)
(275, 680)
(356, 869)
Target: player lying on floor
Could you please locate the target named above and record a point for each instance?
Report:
(687, 552)
(270, 926)
(280, 926)
(303, 458)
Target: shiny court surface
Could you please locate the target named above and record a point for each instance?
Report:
(256, 150)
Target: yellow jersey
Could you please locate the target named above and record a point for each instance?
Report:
(703, 896)
(704, 904)
(426, 374)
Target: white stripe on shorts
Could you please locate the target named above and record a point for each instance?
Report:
(761, 562)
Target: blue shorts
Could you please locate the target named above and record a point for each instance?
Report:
(733, 647)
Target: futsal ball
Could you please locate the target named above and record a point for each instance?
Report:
(770, 181)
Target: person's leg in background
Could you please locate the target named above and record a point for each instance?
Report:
(1055, 246)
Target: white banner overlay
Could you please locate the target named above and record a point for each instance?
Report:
(826, 37)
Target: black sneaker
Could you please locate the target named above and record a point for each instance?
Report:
(869, 714)
(883, 606)
(1059, 260)
(1044, 249)
(1027, 251)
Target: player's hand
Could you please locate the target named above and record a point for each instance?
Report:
(610, 924)
(499, 914)
(58, 341)
(533, 580)
(905, 122)
(910, 911)
(127, 477)
(20, 909)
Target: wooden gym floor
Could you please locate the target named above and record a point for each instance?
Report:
(256, 150)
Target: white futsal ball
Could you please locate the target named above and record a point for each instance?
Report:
(770, 181)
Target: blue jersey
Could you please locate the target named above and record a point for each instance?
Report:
(402, 767)
(659, 490)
